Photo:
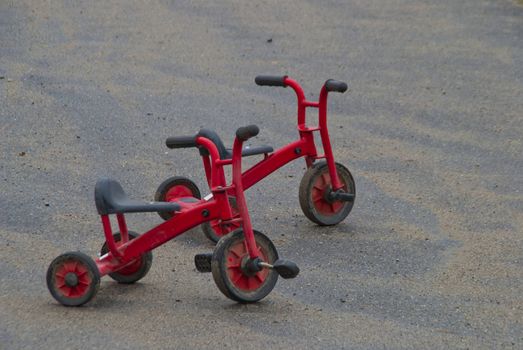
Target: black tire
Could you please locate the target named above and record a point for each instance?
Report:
(231, 280)
(73, 278)
(214, 232)
(209, 232)
(162, 193)
(320, 210)
(134, 271)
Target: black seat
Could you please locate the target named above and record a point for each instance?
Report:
(110, 198)
(226, 153)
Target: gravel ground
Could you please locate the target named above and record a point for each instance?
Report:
(431, 128)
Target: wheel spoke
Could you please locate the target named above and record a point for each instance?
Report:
(238, 250)
(317, 187)
(326, 178)
(237, 279)
(317, 195)
(84, 280)
(261, 252)
(258, 277)
(318, 200)
(81, 270)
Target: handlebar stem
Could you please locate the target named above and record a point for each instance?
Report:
(215, 157)
(302, 102)
(240, 198)
(325, 140)
(322, 123)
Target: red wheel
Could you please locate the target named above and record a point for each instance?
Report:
(314, 189)
(214, 229)
(73, 279)
(134, 271)
(173, 189)
(228, 268)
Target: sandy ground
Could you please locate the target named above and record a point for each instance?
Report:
(431, 128)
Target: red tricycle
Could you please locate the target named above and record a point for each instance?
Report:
(327, 190)
(244, 264)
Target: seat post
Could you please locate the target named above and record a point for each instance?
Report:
(106, 222)
(122, 225)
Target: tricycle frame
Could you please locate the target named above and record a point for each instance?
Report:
(191, 214)
(303, 147)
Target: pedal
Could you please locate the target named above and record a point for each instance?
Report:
(286, 269)
(203, 262)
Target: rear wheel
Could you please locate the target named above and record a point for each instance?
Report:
(73, 279)
(314, 189)
(173, 189)
(231, 276)
(215, 229)
(133, 271)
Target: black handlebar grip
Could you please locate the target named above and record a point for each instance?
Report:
(335, 85)
(270, 80)
(181, 141)
(246, 132)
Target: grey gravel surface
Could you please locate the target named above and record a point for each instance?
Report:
(431, 128)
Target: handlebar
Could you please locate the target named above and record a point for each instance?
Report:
(335, 85)
(330, 85)
(270, 80)
(180, 142)
(246, 132)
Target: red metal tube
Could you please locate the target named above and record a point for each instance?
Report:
(240, 198)
(217, 175)
(123, 227)
(324, 132)
(155, 237)
(207, 167)
(300, 95)
(108, 232)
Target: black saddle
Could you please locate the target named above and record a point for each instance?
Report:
(110, 198)
(225, 153)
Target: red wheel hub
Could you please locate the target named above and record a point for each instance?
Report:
(322, 185)
(81, 284)
(236, 254)
(176, 192)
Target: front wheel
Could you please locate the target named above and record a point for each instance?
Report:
(315, 187)
(229, 272)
